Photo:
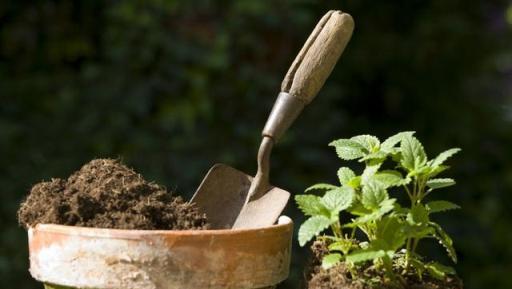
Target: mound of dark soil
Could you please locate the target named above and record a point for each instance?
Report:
(339, 277)
(106, 194)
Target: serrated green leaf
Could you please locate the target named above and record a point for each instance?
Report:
(355, 183)
(445, 240)
(358, 209)
(348, 149)
(391, 231)
(370, 143)
(438, 270)
(364, 255)
(373, 195)
(330, 260)
(424, 170)
(440, 206)
(341, 245)
(391, 141)
(312, 227)
(378, 155)
(389, 178)
(386, 206)
(437, 170)
(345, 175)
(369, 172)
(413, 153)
(375, 214)
(321, 187)
(440, 183)
(442, 157)
(372, 216)
(418, 215)
(311, 205)
(338, 199)
(418, 231)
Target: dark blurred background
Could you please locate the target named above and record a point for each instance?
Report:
(172, 87)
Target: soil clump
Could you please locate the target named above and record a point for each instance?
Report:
(104, 193)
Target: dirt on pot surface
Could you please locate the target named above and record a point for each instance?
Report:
(104, 193)
(338, 277)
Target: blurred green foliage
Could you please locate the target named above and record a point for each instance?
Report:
(172, 87)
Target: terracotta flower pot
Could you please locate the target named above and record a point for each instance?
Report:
(137, 259)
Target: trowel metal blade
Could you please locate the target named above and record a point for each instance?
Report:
(221, 196)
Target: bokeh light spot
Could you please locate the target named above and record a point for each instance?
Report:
(508, 14)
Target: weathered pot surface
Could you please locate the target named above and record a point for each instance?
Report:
(135, 259)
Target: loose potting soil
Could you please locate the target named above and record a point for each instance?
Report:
(106, 194)
(339, 277)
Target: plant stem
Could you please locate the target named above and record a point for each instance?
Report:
(388, 266)
(353, 273)
(415, 244)
(407, 253)
(421, 189)
(408, 192)
(417, 190)
(336, 229)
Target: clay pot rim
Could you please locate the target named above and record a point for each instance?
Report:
(284, 223)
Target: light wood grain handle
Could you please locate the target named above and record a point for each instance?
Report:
(318, 56)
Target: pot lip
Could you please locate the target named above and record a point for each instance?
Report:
(284, 223)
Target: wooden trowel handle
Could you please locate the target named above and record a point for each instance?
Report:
(309, 70)
(318, 56)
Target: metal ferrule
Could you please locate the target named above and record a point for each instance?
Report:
(285, 111)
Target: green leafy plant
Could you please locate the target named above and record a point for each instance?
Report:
(392, 231)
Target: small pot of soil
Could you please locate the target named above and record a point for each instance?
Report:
(106, 227)
(340, 276)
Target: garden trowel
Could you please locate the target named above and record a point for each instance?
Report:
(233, 199)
